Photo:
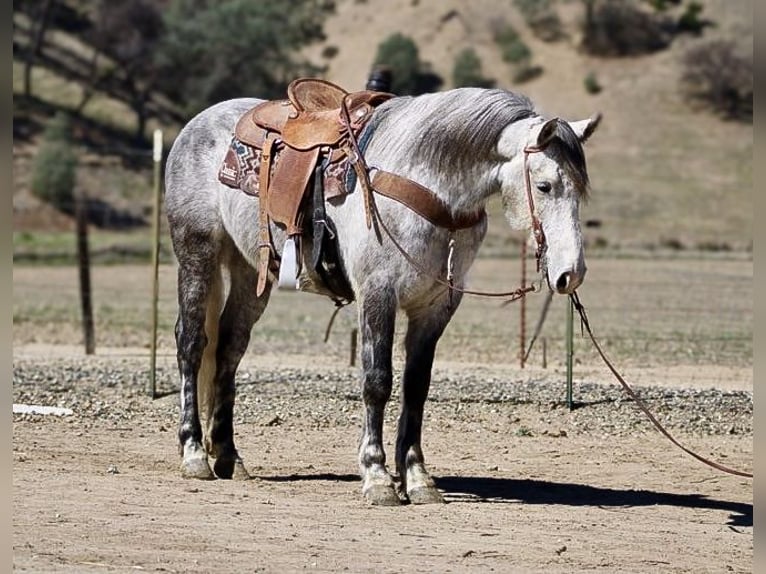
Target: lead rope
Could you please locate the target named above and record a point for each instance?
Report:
(641, 404)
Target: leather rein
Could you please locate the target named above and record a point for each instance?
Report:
(431, 207)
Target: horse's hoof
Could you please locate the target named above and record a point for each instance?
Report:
(230, 468)
(425, 495)
(382, 495)
(196, 468)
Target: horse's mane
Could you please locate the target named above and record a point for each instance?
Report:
(450, 130)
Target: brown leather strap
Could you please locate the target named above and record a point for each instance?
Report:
(641, 404)
(356, 159)
(537, 227)
(422, 201)
(264, 232)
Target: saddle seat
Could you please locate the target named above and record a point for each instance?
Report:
(310, 117)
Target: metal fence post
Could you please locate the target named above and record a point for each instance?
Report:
(570, 350)
(157, 157)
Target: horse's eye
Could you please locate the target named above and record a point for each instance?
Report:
(544, 186)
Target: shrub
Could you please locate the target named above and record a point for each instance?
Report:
(716, 74)
(690, 20)
(410, 76)
(542, 19)
(54, 167)
(591, 84)
(512, 47)
(526, 72)
(467, 71)
(622, 28)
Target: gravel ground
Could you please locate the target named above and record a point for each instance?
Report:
(115, 391)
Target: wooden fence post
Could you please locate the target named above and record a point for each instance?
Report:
(83, 263)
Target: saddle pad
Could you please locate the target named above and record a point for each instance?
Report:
(242, 164)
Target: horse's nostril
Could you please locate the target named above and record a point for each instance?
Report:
(563, 282)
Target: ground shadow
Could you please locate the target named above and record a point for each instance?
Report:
(569, 494)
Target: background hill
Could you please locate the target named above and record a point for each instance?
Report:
(666, 172)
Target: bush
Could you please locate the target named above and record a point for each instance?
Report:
(512, 48)
(515, 52)
(54, 167)
(467, 71)
(716, 74)
(591, 84)
(690, 21)
(622, 28)
(410, 76)
(542, 19)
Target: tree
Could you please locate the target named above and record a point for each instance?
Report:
(128, 32)
(39, 18)
(467, 71)
(215, 50)
(54, 166)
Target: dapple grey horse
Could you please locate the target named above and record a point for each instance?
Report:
(465, 145)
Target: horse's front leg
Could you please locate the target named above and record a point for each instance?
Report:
(423, 332)
(377, 315)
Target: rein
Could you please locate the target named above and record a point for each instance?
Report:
(641, 404)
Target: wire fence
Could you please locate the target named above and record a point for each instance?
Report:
(649, 313)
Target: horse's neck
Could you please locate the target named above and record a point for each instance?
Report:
(465, 189)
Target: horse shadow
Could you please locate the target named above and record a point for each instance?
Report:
(490, 490)
(526, 491)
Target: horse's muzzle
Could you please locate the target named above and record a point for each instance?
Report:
(566, 282)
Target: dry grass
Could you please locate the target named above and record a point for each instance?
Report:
(647, 312)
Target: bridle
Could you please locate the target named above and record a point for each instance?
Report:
(537, 227)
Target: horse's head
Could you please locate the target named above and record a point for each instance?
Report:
(544, 179)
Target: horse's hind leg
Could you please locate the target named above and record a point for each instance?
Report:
(377, 314)
(196, 276)
(423, 333)
(241, 311)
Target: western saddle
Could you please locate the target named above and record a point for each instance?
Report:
(315, 127)
(293, 147)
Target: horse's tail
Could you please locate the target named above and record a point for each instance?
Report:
(207, 370)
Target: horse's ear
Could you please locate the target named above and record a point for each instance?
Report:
(547, 133)
(585, 128)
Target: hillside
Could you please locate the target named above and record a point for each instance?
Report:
(664, 174)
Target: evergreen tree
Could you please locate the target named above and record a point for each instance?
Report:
(55, 165)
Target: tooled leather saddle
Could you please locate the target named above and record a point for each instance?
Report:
(283, 151)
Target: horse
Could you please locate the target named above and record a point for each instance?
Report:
(465, 145)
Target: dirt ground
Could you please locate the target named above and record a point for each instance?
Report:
(529, 487)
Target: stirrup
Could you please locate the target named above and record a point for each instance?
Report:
(288, 268)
